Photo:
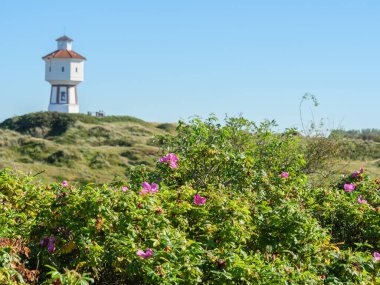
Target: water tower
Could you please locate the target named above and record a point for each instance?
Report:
(64, 70)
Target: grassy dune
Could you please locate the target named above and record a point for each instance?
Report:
(77, 147)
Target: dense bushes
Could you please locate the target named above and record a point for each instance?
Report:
(236, 156)
(40, 124)
(231, 206)
(359, 150)
(357, 145)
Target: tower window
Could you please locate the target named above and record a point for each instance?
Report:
(63, 96)
(76, 69)
(63, 69)
(49, 68)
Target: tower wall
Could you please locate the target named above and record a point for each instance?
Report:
(73, 95)
(63, 98)
(63, 108)
(77, 71)
(64, 45)
(64, 70)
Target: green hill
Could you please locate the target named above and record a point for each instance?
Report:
(78, 147)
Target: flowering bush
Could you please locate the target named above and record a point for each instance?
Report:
(236, 209)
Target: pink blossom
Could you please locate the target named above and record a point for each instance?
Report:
(361, 170)
(284, 174)
(376, 255)
(362, 201)
(171, 159)
(198, 200)
(349, 187)
(148, 253)
(51, 247)
(48, 242)
(143, 192)
(65, 183)
(124, 188)
(148, 188)
(354, 174)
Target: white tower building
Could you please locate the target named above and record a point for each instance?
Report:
(64, 71)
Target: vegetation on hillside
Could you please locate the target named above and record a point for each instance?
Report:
(227, 203)
(47, 124)
(364, 134)
(78, 147)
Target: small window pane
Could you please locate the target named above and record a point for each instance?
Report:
(63, 96)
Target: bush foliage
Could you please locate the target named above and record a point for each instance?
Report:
(256, 219)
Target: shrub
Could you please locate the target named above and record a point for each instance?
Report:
(61, 157)
(236, 155)
(226, 204)
(167, 127)
(40, 124)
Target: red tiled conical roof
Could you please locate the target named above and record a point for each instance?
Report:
(63, 54)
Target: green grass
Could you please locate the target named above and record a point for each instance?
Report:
(372, 167)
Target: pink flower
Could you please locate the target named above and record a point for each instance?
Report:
(51, 247)
(361, 170)
(148, 188)
(354, 174)
(65, 183)
(124, 188)
(376, 255)
(171, 159)
(148, 253)
(362, 201)
(48, 242)
(349, 187)
(198, 200)
(284, 174)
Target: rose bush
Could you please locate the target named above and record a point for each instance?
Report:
(226, 204)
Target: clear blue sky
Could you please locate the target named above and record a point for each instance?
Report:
(166, 60)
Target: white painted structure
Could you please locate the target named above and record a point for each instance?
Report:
(64, 69)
